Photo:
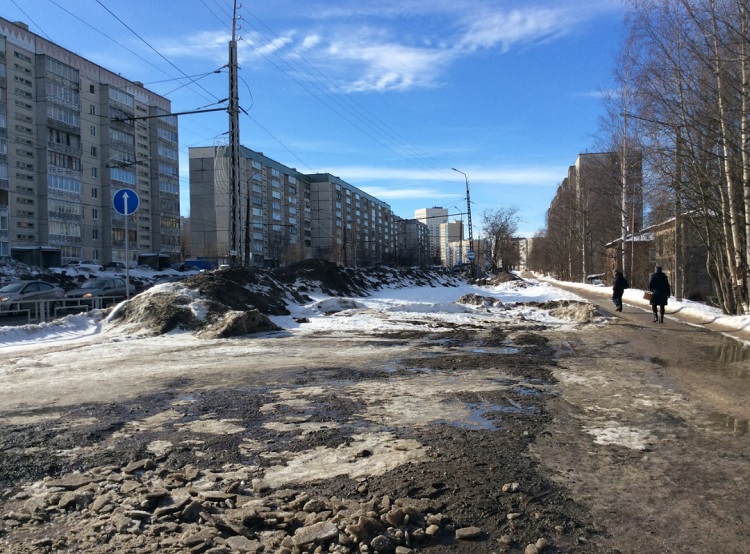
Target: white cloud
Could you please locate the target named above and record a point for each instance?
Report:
(506, 29)
(526, 175)
(407, 193)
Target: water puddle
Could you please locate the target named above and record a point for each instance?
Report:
(499, 350)
(477, 419)
(730, 351)
(738, 427)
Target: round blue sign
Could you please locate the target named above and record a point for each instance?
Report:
(125, 201)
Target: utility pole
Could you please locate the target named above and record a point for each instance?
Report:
(234, 141)
(468, 220)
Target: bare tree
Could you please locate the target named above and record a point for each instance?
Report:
(500, 228)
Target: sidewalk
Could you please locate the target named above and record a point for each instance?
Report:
(685, 311)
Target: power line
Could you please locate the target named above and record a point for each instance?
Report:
(154, 49)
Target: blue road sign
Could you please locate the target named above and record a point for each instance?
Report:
(125, 201)
(470, 255)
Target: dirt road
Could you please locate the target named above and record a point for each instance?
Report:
(679, 394)
(493, 435)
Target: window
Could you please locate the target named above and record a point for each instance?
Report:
(93, 130)
(92, 90)
(94, 192)
(95, 172)
(93, 151)
(95, 234)
(92, 109)
(94, 214)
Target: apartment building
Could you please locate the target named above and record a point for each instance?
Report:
(70, 138)
(433, 218)
(350, 226)
(599, 197)
(412, 243)
(453, 247)
(284, 215)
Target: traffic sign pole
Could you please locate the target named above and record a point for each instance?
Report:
(125, 202)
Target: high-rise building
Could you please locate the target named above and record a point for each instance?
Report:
(72, 134)
(285, 215)
(599, 198)
(453, 248)
(433, 218)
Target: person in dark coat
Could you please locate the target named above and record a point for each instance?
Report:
(658, 284)
(618, 288)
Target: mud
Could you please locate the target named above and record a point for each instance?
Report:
(509, 435)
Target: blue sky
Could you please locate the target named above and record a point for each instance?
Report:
(388, 95)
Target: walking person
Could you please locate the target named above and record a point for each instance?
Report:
(618, 289)
(658, 284)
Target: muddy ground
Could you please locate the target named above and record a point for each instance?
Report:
(500, 435)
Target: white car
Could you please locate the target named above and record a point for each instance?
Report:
(86, 265)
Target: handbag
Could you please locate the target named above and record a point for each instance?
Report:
(647, 295)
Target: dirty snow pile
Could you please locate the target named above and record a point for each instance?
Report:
(312, 296)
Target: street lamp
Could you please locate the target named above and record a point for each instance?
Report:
(468, 218)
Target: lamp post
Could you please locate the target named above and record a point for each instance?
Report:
(468, 220)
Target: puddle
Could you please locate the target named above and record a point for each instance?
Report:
(738, 427)
(499, 350)
(730, 351)
(477, 419)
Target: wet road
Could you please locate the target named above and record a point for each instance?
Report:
(651, 429)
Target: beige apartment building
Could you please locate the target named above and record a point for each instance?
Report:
(70, 138)
(434, 218)
(453, 247)
(284, 215)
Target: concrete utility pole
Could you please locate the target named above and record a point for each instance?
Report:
(234, 141)
(468, 221)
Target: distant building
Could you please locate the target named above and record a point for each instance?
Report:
(655, 245)
(412, 243)
(70, 138)
(588, 211)
(452, 248)
(285, 215)
(433, 218)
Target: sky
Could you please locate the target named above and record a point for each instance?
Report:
(388, 95)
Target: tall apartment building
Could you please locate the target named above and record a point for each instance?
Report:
(453, 247)
(285, 215)
(433, 218)
(412, 243)
(70, 138)
(589, 209)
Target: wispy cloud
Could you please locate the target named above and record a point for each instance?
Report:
(409, 193)
(515, 175)
(395, 46)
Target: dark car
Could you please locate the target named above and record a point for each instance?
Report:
(114, 266)
(99, 292)
(13, 295)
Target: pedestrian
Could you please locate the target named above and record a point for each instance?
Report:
(618, 288)
(658, 284)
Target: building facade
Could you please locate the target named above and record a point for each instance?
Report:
(599, 196)
(72, 134)
(434, 218)
(412, 243)
(453, 247)
(285, 215)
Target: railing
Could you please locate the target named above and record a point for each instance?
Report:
(39, 311)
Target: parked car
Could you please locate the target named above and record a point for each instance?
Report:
(85, 265)
(99, 292)
(114, 266)
(13, 295)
